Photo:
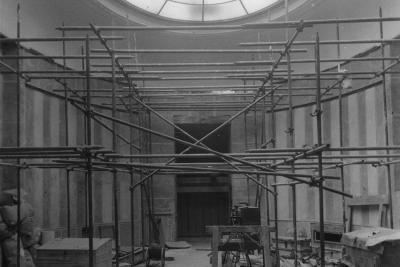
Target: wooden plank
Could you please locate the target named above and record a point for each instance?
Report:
(265, 241)
(73, 244)
(74, 252)
(238, 228)
(214, 245)
(368, 200)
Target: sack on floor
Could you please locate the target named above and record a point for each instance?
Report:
(33, 238)
(9, 247)
(28, 259)
(26, 226)
(9, 197)
(5, 231)
(10, 213)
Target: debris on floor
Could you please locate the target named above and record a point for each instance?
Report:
(177, 245)
(371, 247)
(29, 237)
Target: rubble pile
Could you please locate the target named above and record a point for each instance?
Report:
(29, 237)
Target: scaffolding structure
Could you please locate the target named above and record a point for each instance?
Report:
(275, 92)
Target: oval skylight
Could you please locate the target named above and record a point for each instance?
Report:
(202, 10)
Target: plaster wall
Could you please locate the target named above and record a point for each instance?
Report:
(43, 124)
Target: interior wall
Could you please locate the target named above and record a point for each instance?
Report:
(42, 115)
(363, 125)
(43, 124)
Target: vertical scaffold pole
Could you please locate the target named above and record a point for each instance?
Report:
(291, 143)
(66, 125)
(89, 153)
(318, 114)
(341, 136)
(115, 148)
(132, 180)
(18, 135)
(273, 145)
(385, 108)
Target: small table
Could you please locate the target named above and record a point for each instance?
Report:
(217, 230)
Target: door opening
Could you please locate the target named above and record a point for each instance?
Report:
(202, 199)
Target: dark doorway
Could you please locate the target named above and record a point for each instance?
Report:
(202, 199)
(219, 141)
(196, 210)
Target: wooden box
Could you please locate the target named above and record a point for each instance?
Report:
(74, 252)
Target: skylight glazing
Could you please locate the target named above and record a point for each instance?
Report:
(202, 10)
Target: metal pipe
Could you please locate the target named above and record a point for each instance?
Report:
(183, 78)
(161, 89)
(385, 108)
(259, 77)
(94, 77)
(89, 156)
(246, 146)
(325, 60)
(290, 133)
(207, 94)
(330, 149)
(233, 64)
(327, 73)
(318, 115)
(337, 157)
(208, 71)
(178, 64)
(65, 71)
(66, 125)
(310, 23)
(192, 103)
(115, 174)
(74, 149)
(18, 100)
(276, 210)
(199, 155)
(185, 96)
(132, 180)
(237, 87)
(197, 51)
(325, 42)
(302, 155)
(58, 39)
(341, 134)
(269, 25)
(206, 108)
(176, 167)
(79, 57)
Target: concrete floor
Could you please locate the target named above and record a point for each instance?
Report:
(196, 256)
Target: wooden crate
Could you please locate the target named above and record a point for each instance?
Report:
(74, 252)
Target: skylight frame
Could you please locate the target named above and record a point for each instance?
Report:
(202, 9)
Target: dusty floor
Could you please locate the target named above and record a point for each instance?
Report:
(196, 256)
